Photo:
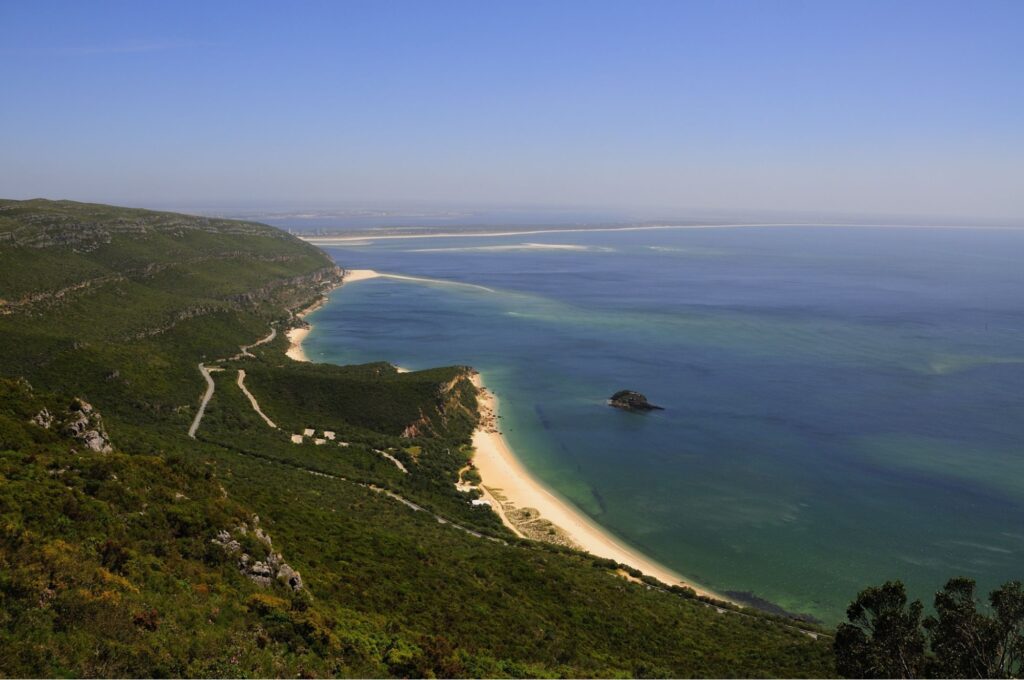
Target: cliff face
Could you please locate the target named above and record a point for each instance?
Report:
(454, 408)
(301, 286)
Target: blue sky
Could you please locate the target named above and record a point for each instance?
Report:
(894, 107)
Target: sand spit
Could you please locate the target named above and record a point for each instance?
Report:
(368, 238)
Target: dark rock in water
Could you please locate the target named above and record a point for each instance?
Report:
(632, 401)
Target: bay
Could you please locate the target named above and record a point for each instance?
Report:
(843, 406)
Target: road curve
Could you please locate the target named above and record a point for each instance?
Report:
(210, 386)
(252, 399)
(206, 399)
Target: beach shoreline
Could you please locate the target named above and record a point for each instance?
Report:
(509, 487)
(298, 334)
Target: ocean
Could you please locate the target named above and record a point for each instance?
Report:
(843, 406)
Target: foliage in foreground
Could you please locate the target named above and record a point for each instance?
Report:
(888, 638)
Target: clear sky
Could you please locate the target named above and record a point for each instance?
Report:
(892, 107)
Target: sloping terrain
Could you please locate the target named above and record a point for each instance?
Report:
(128, 548)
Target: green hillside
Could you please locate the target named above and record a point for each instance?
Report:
(128, 548)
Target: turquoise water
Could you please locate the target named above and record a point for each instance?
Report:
(842, 406)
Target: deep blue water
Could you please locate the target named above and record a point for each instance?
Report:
(843, 406)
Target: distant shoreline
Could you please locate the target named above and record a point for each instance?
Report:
(364, 236)
(506, 483)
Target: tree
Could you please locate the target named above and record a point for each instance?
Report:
(1008, 650)
(962, 640)
(883, 638)
(887, 639)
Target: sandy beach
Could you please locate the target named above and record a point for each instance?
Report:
(295, 337)
(505, 477)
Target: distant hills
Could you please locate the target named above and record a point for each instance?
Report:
(241, 553)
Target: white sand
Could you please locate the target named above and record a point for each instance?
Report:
(502, 472)
(353, 275)
(295, 337)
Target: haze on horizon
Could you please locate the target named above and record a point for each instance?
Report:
(842, 107)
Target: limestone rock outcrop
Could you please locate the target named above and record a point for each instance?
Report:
(265, 566)
(81, 421)
(86, 424)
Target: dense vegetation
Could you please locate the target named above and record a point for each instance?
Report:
(888, 638)
(118, 564)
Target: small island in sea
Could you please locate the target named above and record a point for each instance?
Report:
(628, 400)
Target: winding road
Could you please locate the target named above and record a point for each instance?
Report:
(210, 386)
